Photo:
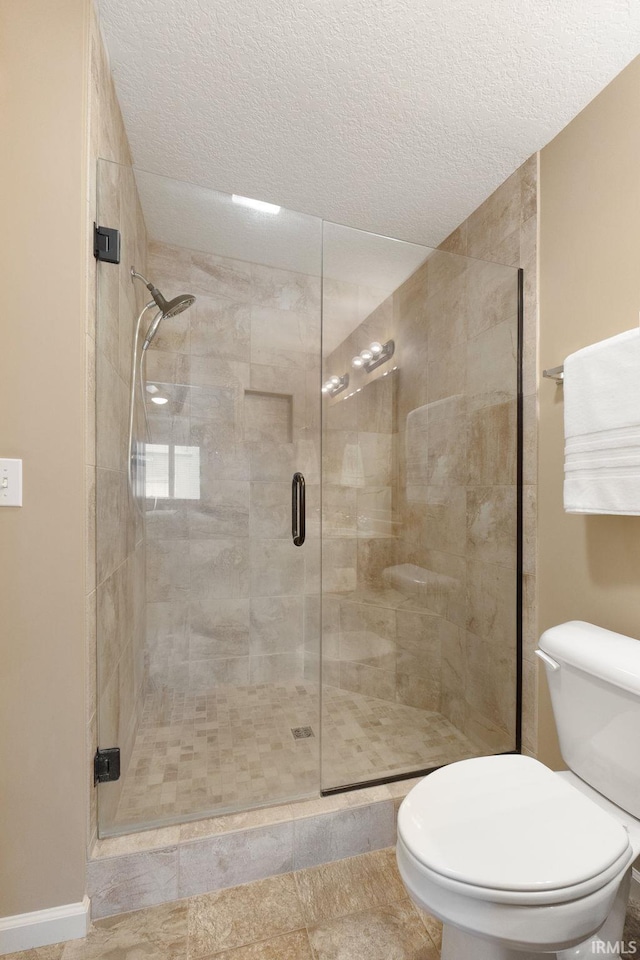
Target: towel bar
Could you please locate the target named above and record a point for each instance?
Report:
(555, 373)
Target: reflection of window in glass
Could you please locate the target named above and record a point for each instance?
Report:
(172, 472)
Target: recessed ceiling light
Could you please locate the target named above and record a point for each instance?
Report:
(256, 204)
(159, 400)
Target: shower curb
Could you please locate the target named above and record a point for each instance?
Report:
(171, 863)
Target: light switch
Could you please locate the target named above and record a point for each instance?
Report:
(10, 483)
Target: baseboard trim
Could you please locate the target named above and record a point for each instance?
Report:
(43, 927)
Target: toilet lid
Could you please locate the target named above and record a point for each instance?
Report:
(508, 823)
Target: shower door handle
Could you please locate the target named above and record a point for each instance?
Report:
(298, 509)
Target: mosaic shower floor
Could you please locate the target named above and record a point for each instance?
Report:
(236, 748)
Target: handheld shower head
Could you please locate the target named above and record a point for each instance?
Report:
(166, 308)
(171, 308)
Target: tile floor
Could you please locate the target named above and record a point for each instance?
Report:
(234, 749)
(354, 909)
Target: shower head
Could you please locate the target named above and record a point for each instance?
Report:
(167, 308)
(171, 308)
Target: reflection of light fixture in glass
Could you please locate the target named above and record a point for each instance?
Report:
(373, 355)
(260, 205)
(159, 400)
(151, 388)
(335, 385)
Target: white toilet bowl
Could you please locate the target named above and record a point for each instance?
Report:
(515, 860)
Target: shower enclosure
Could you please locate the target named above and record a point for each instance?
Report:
(318, 586)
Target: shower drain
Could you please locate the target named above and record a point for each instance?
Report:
(302, 733)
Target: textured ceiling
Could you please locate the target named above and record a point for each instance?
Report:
(397, 116)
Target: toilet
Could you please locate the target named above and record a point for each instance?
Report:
(520, 862)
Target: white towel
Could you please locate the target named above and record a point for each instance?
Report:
(602, 427)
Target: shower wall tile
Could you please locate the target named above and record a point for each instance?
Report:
(173, 335)
(267, 418)
(219, 372)
(416, 691)
(529, 706)
(491, 366)
(272, 462)
(219, 628)
(90, 529)
(218, 568)
(208, 434)
(377, 620)
(453, 679)
(285, 290)
(221, 328)
(445, 519)
(529, 620)
(212, 276)
(217, 403)
(166, 519)
(270, 513)
(90, 410)
(367, 648)
(276, 668)
(205, 675)
(491, 293)
(368, 681)
(111, 505)
(339, 566)
(492, 695)
(420, 639)
(115, 620)
(491, 601)
(276, 570)
(112, 410)
(375, 453)
(167, 570)
(530, 438)
(279, 337)
(491, 524)
(227, 460)
(496, 219)
(222, 510)
(276, 625)
(491, 453)
(447, 376)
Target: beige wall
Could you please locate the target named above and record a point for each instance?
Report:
(589, 566)
(43, 65)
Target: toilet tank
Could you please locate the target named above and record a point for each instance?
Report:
(594, 680)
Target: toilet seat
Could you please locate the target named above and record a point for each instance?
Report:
(521, 898)
(508, 830)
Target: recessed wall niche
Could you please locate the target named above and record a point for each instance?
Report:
(268, 416)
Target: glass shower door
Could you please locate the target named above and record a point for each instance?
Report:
(222, 709)
(420, 508)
